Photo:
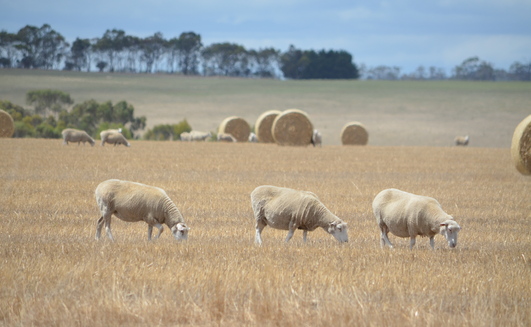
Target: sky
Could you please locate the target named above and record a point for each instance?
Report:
(402, 33)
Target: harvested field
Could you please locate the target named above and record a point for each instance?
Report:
(53, 272)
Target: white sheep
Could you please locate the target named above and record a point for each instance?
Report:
(409, 215)
(104, 133)
(288, 209)
(134, 202)
(253, 138)
(199, 136)
(185, 137)
(226, 137)
(317, 139)
(461, 140)
(76, 135)
(114, 138)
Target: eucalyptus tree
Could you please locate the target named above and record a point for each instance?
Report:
(265, 62)
(152, 48)
(225, 59)
(41, 47)
(8, 51)
(111, 46)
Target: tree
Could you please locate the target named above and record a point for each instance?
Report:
(266, 61)
(8, 51)
(48, 100)
(474, 69)
(225, 59)
(41, 47)
(309, 64)
(152, 48)
(111, 45)
(520, 72)
(188, 49)
(79, 54)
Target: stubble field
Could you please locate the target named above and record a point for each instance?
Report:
(53, 271)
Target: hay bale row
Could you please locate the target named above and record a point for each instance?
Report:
(7, 125)
(237, 127)
(292, 127)
(521, 146)
(263, 126)
(354, 133)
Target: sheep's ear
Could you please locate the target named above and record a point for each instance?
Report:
(332, 227)
(444, 224)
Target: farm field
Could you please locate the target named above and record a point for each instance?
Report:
(395, 113)
(54, 273)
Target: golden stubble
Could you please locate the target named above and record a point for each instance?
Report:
(53, 271)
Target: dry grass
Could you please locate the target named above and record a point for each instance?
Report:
(53, 272)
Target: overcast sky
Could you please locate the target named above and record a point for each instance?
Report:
(394, 33)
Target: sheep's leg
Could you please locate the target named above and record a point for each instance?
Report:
(107, 219)
(432, 242)
(150, 231)
(260, 225)
(160, 227)
(291, 231)
(412, 242)
(384, 239)
(304, 234)
(98, 228)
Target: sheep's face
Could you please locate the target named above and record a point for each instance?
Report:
(180, 232)
(450, 229)
(339, 231)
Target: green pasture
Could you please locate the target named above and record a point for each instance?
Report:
(396, 113)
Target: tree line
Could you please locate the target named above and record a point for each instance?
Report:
(116, 51)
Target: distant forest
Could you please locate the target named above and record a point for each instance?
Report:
(44, 48)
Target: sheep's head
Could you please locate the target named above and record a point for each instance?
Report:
(180, 231)
(449, 229)
(339, 230)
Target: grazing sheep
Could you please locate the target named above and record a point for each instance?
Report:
(185, 137)
(461, 140)
(317, 139)
(253, 138)
(114, 138)
(104, 133)
(226, 137)
(76, 135)
(409, 215)
(288, 209)
(132, 202)
(199, 136)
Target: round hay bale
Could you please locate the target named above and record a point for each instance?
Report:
(521, 146)
(7, 125)
(263, 126)
(354, 133)
(292, 127)
(237, 127)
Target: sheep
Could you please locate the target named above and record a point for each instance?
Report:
(199, 136)
(288, 209)
(76, 135)
(114, 138)
(132, 202)
(253, 138)
(461, 140)
(317, 139)
(226, 137)
(185, 137)
(104, 133)
(409, 215)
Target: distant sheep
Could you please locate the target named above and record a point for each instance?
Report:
(185, 137)
(461, 140)
(199, 136)
(226, 137)
(288, 209)
(76, 135)
(114, 138)
(132, 202)
(317, 139)
(409, 215)
(253, 138)
(104, 133)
